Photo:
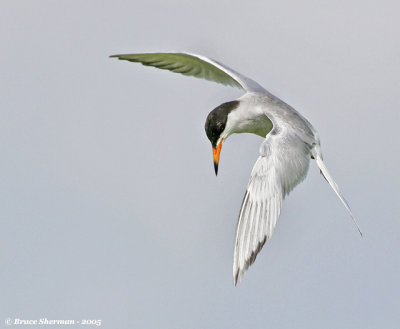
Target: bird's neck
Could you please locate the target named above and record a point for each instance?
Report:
(248, 118)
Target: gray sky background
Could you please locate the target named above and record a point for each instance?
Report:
(110, 208)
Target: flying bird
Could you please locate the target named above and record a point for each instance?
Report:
(290, 142)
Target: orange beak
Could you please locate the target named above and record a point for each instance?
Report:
(216, 152)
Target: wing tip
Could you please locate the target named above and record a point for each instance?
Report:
(238, 276)
(239, 272)
(235, 278)
(228, 78)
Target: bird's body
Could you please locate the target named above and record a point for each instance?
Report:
(290, 142)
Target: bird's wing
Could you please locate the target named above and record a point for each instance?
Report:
(282, 164)
(195, 65)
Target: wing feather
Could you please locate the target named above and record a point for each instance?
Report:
(194, 65)
(283, 164)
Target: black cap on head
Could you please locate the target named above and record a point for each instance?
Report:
(216, 121)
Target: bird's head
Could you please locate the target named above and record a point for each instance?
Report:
(217, 128)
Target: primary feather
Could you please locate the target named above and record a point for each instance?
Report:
(194, 65)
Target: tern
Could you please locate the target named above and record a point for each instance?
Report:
(290, 142)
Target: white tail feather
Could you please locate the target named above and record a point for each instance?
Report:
(328, 177)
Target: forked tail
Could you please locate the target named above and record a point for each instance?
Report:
(324, 171)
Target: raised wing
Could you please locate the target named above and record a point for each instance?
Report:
(195, 65)
(283, 163)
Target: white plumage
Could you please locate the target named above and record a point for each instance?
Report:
(290, 142)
